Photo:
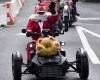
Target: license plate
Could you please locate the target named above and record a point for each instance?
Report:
(65, 14)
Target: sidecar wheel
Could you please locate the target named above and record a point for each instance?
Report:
(82, 64)
(16, 66)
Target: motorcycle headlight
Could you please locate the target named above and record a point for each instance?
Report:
(65, 7)
(62, 43)
(31, 45)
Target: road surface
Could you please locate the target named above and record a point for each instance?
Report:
(85, 34)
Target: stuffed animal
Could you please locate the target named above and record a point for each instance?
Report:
(47, 46)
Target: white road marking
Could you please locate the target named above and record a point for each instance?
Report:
(92, 33)
(82, 18)
(90, 52)
(22, 34)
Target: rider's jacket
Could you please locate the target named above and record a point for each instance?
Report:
(47, 3)
(38, 22)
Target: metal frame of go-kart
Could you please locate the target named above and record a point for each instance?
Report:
(81, 62)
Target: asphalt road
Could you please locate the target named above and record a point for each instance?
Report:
(85, 34)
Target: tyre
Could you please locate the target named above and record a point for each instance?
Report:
(16, 66)
(66, 21)
(71, 21)
(82, 64)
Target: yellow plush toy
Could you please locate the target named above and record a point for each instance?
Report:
(47, 46)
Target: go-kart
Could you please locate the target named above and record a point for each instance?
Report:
(52, 66)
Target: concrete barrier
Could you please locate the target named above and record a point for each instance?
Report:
(3, 16)
(15, 7)
(12, 10)
(10, 15)
(22, 2)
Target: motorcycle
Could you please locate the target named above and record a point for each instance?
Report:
(67, 14)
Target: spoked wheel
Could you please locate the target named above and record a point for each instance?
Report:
(16, 66)
(82, 64)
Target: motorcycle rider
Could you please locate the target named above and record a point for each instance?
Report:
(57, 7)
(74, 8)
(37, 22)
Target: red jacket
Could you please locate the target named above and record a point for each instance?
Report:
(47, 3)
(34, 26)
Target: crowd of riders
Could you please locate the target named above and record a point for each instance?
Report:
(47, 14)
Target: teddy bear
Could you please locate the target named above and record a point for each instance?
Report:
(47, 46)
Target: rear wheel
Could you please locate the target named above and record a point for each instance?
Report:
(82, 64)
(16, 66)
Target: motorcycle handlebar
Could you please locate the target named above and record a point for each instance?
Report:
(44, 33)
(23, 30)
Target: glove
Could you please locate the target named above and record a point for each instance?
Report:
(23, 30)
(52, 7)
(29, 33)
